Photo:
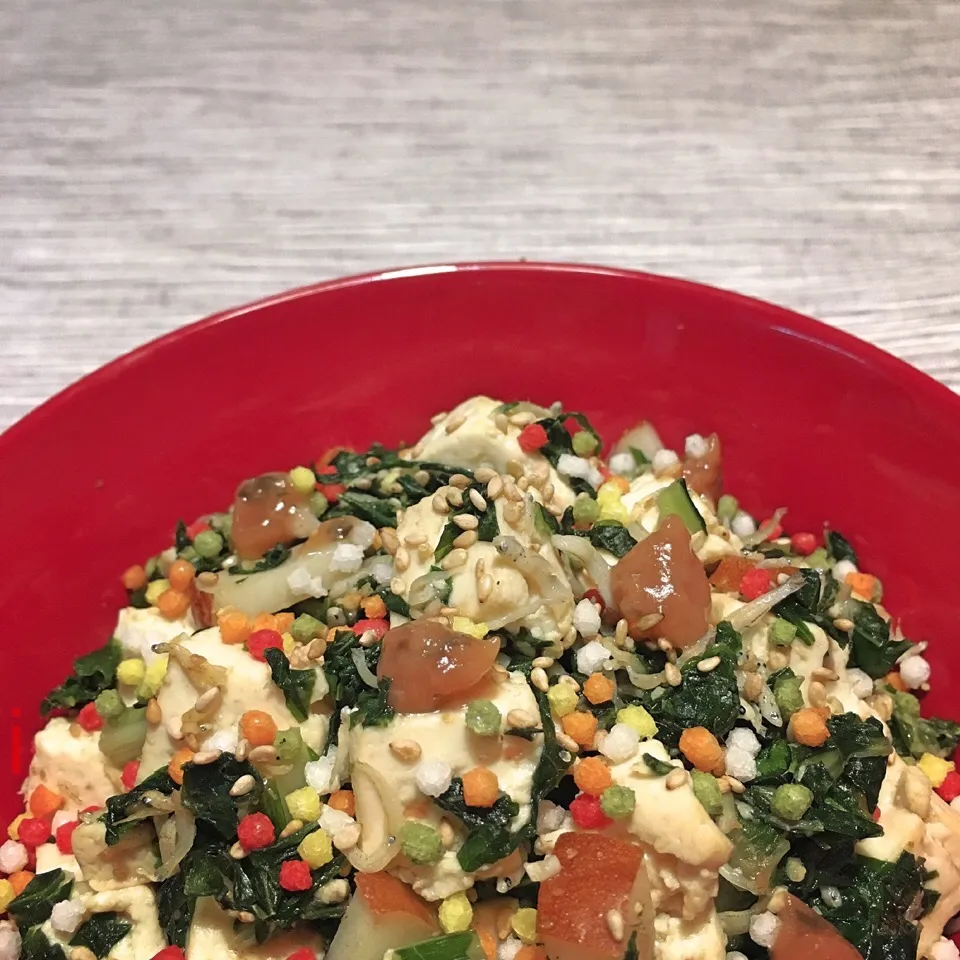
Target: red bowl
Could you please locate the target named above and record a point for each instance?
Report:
(811, 419)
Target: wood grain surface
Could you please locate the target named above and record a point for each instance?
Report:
(160, 161)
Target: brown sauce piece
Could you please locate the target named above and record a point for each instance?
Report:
(805, 935)
(432, 667)
(267, 511)
(662, 575)
(705, 474)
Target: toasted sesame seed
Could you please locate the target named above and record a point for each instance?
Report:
(422, 477)
(708, 665)
(207, 579)
(154, 712)
(389, 539)
(466, 521)
(520, 718)
(454, 423)
(676, 778)
(723, 785)
(484, 474)
(415, 539)
(648, 622)
(476, 498)
(466, 539)
(511, 491)
(245, 916)
(752, 687)
(672, 674)
(620, 631)
(440, 504)
(548, 492)
(842, 623)
(523, 419)
(439, 417)
(242, 786)
(448, 611)
(538, 677)
(406, 750)
(208, 699)
(735, 785)
(454, 497)
(512, 513)
(237, 852)
(317, 648)
(817, 693)
(484, 587)
(567, 742)
(523, 483)
(455, 558)
(402, 560)
(460, 480)
(494, 487)
(824, 674)
(543, 662)
(424, 551)
(263, 754)
(292, 827)
(207, 756)
(615, 924)
(243, 749)
(515, 469)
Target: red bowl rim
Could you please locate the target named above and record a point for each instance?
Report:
(785, 320)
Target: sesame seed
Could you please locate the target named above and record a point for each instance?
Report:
(708, 665)
(424, 551)
(389, 539)
(263, 754)
(543, 662)
(422, 477)
(501, 421)
(511, 491)
(237, 852)
(466, 539)
(548, 492)
(523, 419)
(512, 513)
(207, 579)
(494, 487)
(154, 712)
(523, 483)
(734, 784)
(484, 474)
(448, 611)
(484, 587)
(408, 751)
(207, 756)
(454, 497)
(438, 417)
(567, 742)
(243, 749)
(649, 621)
(842, 623)
(676, 778)
(364, 483)
(778, 900)
(466, 521)
(515, 469)
(615, 924)
(538, 677)
(476, 498)
(455, 558)
(752, 687)
(440, 504)
(822, 673)
(455, 423)
(672, 674)
(460, 480)
(520, 718)
(817, 693)
(242, 786)
(292, 827)
(620, 631)
(402, 559)
(369, 638)
(396, 586)
(447, 836)
(723, 784)
(415, 539)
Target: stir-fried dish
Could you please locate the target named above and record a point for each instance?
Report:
(493, 696)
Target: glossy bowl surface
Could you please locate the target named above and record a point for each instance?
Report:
(810, 418)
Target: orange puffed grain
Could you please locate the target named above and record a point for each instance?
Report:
(701, 748)
(44, 802)
(344, 801)
(173, 604)
(480, 787)
(175, 768)
(134, 578)
(19, 880)
(531, 953)
(580, 726)
(235, 627)
(181, 574)
(808, 727)
(598, 689)
(258, 728)
(592, 776)
(374, 608)
(893, 679)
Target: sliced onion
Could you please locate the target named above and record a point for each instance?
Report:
(765, 528)
(360, 662)
(151, 803)
(514, 615)
(751, 612)
(735, 923)
(380, 816)
(270, 590)
(199, 670)
(587, 553)
(175, 839)
(642, 437)
(427, 588)
(535, 570)
(757, 881)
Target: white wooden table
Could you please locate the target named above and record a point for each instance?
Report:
(160, 161)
